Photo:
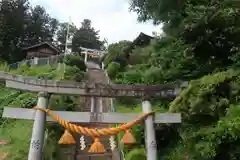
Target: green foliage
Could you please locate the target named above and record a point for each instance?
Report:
(86, 36)
(34, 25)
(62, 33)
(113, 69)
(136, 154)
(117, 51)
(206, 36)
(75, 61)
(200, 45)
(73, 73)
(25, 30)
(18, 132)
(140, 55)
(129, 77)
(207, 97)
(210, 113)
(25, 100)
(75, 68)
(42, 72)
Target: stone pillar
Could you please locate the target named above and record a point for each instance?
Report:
(150, 137)
(35, 60)
(103, 66)
(85, 59)
(92, 104)
(101, 104)
(37, 140)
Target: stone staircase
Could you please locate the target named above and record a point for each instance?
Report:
(96, 76)
(74, 152)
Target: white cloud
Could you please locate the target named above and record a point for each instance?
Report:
(111, 17)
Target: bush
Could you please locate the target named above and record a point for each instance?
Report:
(73, 73)
(18, 132)
(113, 69)
(130, 77)
(60, 59)
(73, 60)
(136, 154)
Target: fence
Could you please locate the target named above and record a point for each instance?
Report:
(112, 109)
(52, 60)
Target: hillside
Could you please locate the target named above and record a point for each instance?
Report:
(199, 45)
(18, 132)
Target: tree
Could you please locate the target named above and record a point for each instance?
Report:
(117, 52)
(41, 27)
(160, 11)
(211, 28)
(21, 25)
(62, 33)
(13, 16)
(200, 45)
(86, 36)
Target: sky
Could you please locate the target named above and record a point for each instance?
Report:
(111, 17)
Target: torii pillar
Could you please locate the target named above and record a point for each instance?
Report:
(86, 56)
(38, 132)
(150, 136)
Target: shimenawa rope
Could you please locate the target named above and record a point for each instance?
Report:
(96, 133)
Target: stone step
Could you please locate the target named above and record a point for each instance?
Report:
(74, 152)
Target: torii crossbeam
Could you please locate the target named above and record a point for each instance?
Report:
(48, 87)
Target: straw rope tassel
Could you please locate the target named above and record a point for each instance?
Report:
(67, 138)
(97, 146)
(95, 133)
(128, 138)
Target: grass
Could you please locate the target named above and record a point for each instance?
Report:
(136, 109)
(18, 132)
(137, 131)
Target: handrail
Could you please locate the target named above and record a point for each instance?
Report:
(112, 109)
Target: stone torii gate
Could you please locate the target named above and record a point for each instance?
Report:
(48, 87)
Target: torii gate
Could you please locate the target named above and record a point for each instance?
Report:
(48, 87)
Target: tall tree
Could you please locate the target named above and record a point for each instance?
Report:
(201, 38)
(21, 25)
(86, 36)
(62, 33)
(41, 27)
(13, 21)
(210, 27)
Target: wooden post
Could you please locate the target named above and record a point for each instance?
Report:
(150, 137)
(185, 156)
(37, 140)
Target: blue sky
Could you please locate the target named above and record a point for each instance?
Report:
(111, 17)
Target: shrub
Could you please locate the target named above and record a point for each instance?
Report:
(60, 59)
(73, 73)
(73, 60)
(113, 69)
(136, 154)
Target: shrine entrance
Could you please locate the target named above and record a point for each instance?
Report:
(73, 121)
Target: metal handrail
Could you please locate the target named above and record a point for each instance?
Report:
(112, 109)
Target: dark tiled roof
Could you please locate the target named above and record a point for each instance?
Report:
(41, 44)
(142, 39)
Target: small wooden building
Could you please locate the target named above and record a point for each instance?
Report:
(142, 40)
(44, 49)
